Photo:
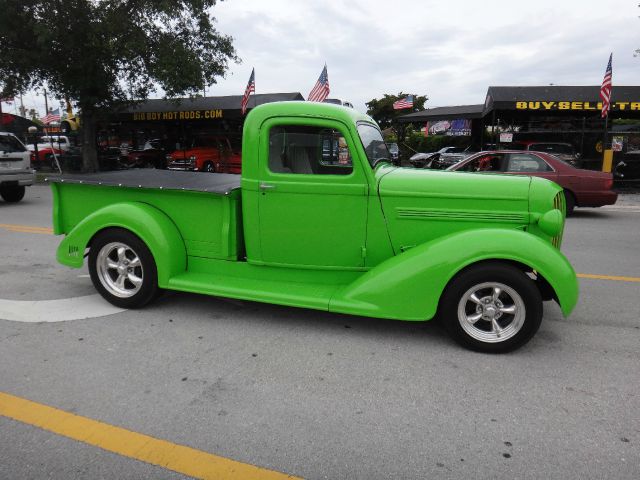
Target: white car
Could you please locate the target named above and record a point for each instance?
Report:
(59, 142)
(15, 168)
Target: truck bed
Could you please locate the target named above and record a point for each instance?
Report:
(206, 208)
(220, 183)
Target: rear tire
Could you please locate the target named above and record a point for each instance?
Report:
(122, 269)
(491, 307)
(209, 167)
(569, 201)
(12, 194)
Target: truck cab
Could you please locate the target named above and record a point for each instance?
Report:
(320, 218)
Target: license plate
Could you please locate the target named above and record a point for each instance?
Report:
(5, 165)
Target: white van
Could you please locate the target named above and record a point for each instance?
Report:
(15, 168)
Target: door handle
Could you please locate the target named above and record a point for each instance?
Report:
(266, 186)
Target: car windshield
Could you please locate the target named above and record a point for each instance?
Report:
(453, 149)
(560, 148)
(9, 143)
(373, 144)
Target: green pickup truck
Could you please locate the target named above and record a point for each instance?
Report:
(321, 219)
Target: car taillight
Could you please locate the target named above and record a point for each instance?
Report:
(33, 157)
(608, 184)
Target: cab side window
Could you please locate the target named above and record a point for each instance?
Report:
(308, 150)
(526, 162)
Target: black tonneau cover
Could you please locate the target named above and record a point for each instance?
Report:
(220, 183)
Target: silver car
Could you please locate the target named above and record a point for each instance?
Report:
(15, 168)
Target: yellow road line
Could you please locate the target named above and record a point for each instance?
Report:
(609, 277)
(178, 458)
(27, 229)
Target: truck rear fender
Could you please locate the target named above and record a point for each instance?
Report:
(408, 286)
(153, 227)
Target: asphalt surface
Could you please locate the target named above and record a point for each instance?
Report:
(321, 395)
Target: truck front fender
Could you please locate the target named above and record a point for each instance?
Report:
(154, 227)
(408, 286)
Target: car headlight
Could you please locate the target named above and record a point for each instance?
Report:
(551, 222)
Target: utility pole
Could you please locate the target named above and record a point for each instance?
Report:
(23, 111)
(46, 103)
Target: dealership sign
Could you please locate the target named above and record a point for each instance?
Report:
(582, 106)
(178, 115)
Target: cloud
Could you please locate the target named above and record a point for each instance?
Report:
(449, 51)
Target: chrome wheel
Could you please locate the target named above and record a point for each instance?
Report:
(119, 269)
(491, 312)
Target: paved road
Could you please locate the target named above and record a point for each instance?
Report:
(320, 395)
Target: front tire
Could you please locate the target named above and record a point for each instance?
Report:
(12, 194)
(491, 307)
(209, 167)
(122, 269)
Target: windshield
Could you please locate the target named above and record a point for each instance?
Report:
(561, 148)
(373, 143)
(9, 143)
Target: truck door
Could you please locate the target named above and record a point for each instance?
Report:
(312, 196)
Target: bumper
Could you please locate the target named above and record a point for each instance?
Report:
(597, 199)
(183, 168)
(21, 178)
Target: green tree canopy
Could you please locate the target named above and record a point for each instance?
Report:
(106, 53)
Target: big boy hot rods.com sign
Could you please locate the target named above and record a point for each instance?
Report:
(178, 115)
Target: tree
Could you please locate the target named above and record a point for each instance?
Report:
(105, 54)
(382, 112)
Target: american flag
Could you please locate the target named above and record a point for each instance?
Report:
(321, 89)
(406, 102)
(605, 89)
(52, 116)
(251, 87)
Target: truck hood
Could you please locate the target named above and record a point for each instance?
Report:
(422, 205)
(471, 187)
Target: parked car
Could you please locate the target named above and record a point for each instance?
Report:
(207, 153)
(150, 155)
(15, 168)
(582, 188)
(443, 158)
(59, 142)
(564, 151)
(628, 168)
(44, 156)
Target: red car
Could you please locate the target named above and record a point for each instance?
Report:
(45, 156)
(206, 154)
(582, 188)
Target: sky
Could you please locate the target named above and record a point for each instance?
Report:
(449, 51)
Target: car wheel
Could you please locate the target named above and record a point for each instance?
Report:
(209, 167)
(491, 307)
(122, 269)
(12, 194)
(569, 202)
